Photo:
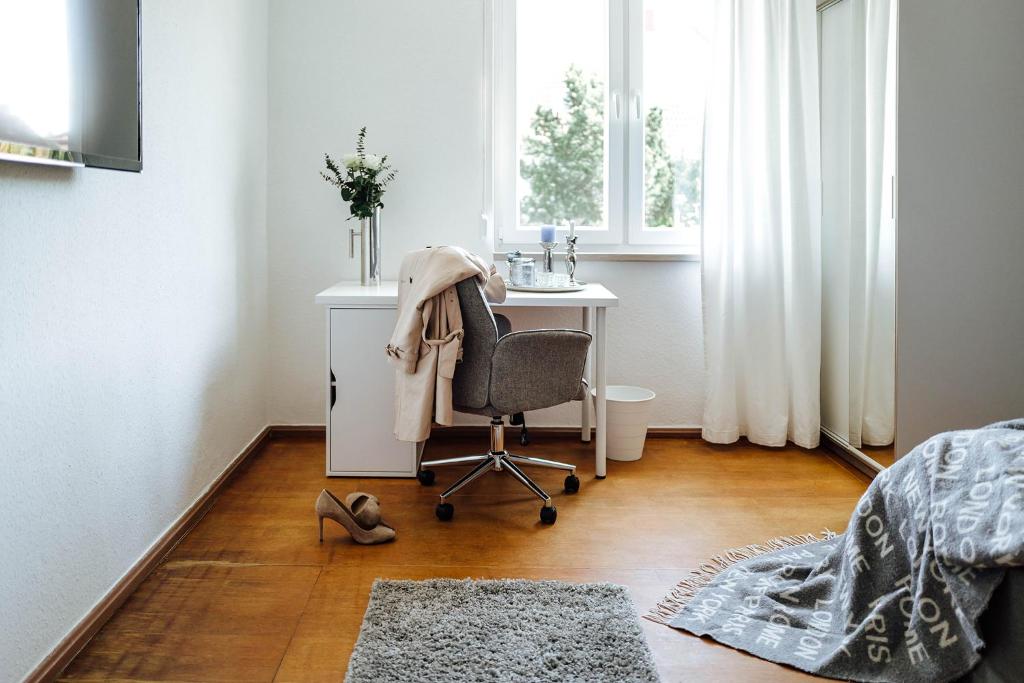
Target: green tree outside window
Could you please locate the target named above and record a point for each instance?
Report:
(563, 164)
(563, 157)
(659, 173)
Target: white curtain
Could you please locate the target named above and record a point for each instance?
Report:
(872, 224)
(761, 263)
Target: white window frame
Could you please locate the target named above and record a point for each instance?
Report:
(624, 168)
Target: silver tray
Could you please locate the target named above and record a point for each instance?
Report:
(578, 287)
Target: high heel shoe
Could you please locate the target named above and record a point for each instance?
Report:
(328, 505)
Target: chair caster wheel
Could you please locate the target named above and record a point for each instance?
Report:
(426, 477)
(548, 515)
(524, 437)
(572, 484)
(444, 511)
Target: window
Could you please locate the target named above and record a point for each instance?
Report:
(598, 118)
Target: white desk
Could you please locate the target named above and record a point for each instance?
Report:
(362, 422)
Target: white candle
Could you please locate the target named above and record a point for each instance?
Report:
(572, 229)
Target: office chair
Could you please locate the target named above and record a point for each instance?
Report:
(507, 373)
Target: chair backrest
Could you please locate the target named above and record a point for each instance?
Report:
(472, 383)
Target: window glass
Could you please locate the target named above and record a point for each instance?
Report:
(561, 112)
(676, 44)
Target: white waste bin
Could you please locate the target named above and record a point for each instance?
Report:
(629, 410)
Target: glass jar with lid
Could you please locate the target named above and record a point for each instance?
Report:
(522, 271)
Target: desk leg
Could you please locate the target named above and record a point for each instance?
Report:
(601, 407)
(585, 423)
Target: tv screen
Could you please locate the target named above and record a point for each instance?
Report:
(70, 83)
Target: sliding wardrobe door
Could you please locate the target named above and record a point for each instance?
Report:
(835, 47)
(857, 68)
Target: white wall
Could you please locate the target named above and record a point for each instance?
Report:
(960, 331)
(412, 72)
(132, 326)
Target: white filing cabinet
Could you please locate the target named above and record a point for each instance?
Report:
(361, 396)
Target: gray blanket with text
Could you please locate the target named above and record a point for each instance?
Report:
(897, 596)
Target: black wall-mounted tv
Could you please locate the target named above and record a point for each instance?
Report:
(71, 83)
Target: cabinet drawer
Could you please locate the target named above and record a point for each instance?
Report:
(360, 435)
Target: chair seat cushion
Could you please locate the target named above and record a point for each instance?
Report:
(491, 411)
(487, 410)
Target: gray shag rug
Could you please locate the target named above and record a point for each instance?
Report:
(499, 630)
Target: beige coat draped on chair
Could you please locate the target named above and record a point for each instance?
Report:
(427, 341)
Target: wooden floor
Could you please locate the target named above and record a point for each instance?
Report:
(250, 595)
(883, 455)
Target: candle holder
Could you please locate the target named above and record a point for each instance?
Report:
(548, 262)
(570, 257)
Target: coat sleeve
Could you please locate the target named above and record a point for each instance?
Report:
(494, 288)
